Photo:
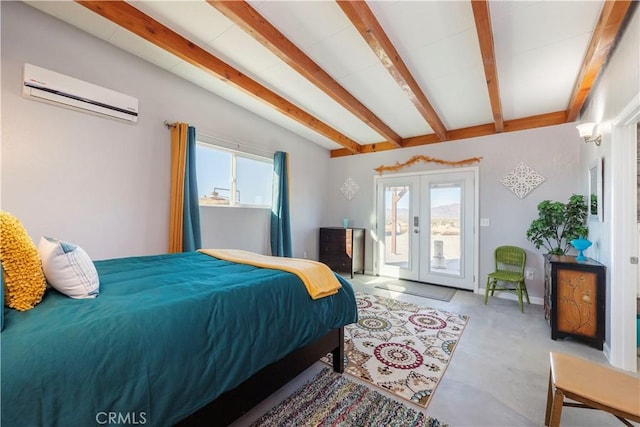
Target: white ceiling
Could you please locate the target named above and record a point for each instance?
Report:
(539, 49)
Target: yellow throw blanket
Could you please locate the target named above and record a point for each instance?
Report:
(316, 276)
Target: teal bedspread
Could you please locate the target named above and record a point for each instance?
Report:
(167, 334)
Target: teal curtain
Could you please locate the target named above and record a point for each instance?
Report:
(191, 238)
(280, 221)
(1, 299)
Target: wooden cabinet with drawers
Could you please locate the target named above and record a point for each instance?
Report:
(575, 298)
(342, 249)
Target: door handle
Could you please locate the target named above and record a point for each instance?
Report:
(416, 231)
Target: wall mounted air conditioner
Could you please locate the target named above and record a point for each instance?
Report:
(55, 88)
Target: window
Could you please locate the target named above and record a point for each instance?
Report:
(230, 178)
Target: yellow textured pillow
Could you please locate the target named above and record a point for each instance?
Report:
(23, 277)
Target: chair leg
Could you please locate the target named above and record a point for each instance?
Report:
(556, 409)
(519, 292)
(526, 293)
(547, 413)
(486, 291)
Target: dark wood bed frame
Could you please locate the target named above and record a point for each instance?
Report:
(232, 404)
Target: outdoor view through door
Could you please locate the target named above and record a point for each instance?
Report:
(426, 227)
(445, 238)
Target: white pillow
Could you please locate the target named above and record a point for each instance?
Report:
(68, 268)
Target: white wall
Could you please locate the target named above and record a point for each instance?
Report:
(618, 85)
(105, 184)
(552, 151)
(617, 89)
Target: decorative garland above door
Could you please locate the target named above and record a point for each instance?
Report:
(425, 159)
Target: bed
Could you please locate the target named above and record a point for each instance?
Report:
(171, 339)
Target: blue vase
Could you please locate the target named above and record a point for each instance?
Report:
(581, 245)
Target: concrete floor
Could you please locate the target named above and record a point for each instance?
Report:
(498, 373)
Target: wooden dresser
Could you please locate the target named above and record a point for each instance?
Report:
(342, 249)
(575, 298)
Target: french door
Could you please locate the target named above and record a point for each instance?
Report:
(426, 227)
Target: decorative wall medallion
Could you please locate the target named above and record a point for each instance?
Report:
(349, 188)
(522, 180)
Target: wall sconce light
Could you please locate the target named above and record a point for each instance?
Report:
(586, 131)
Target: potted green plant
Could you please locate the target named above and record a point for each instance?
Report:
(558, 224)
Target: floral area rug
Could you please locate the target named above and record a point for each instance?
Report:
(330, 399)
(401, 347)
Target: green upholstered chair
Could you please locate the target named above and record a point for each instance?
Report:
(509, 271)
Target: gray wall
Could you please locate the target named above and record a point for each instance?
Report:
(552, 151)
(105, 184)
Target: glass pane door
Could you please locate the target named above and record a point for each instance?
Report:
(396, 230)
(446, 220)
(425, 228)
(447, 240)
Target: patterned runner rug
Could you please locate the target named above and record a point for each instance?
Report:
(330, 399)
(400, 347)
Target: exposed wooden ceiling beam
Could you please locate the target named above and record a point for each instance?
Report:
(368, 26)
(482, 18)
(541, 120)
(250, 20)
(538, 121)
(130, 18)
(603, 39)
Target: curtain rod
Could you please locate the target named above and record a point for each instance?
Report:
(228, 141)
